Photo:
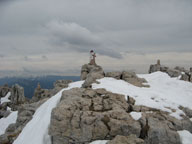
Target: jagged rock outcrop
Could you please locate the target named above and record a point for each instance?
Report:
(17, 95)
(129, 77)
(115, 74)
(62, 83)
(131, 139)
(25, 114)
(4, 90)
(90, 73)
(40, 94)
(186, 75)
(84, 115)
(159, 67)
(3, 106)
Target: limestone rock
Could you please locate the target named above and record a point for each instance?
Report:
(17, 95)
(62, 83)
(132, 78)
(131, 139)
(90, 73)
(4, 90)
(129, 77)
(25, 114)
(116, 75)
(186, 75)
(159, 128)
(85, 115)
(40, 94)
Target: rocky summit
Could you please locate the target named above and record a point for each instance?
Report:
(184, 74)
(90, 73)
(117, 107)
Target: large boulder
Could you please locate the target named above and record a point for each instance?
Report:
(132, 78)
(85, 115)
(17, 95)
(90, 73)
(129, 77)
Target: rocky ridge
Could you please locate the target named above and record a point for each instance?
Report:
(84, 115)
(186, 75)
(26, 108)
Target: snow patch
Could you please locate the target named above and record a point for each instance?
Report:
(164, 93)
(5, 122)
(6, 98)
(99, 142)
(186, 136)
(136, 115)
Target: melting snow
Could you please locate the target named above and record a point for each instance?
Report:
(5, 122)
(186, 136)
(136, 115)
(99, 142)
(6, 98)
(164, 93)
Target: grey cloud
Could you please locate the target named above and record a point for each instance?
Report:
(78, 38)
(44, 57)
(110, 27)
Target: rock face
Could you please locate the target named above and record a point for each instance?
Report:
(90, 73)
(84, 115)
(129, 77)
(62, 83)
(131, 139)
(17, 95)
(186, 75)
(4, 90)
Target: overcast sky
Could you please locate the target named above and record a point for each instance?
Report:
(39, 37)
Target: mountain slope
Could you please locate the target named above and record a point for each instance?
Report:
(164, 93)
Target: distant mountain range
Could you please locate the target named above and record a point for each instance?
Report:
(30, 83)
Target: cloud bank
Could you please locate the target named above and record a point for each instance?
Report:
(34, 32)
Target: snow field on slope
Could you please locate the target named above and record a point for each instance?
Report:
(5, 122)
(186, 137)
(36, 130)
(164, 93)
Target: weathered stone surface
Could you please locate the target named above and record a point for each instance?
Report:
(159, 128)
(116, 75)
(187, 111)
(4, 90)
(90, 73)
(25, 113)
(62, 83)
(132, 78)
(17, 95)
(173, 72)
(186, 75)
(40, 94)
(84, 115)
(131, 139)
(129, 77)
